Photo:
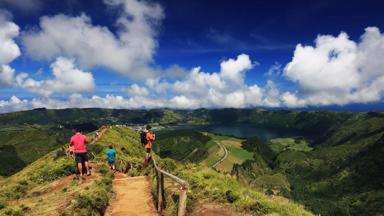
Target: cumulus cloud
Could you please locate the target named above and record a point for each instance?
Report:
(14, 104)
(67, 79)
(6, 76)
(135, 90)
(337, 70)
(129, 51)
(9, 50)
(226, 88)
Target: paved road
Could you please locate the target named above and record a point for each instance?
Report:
(223, 158)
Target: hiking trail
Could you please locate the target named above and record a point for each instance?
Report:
(100, 135)
(224, 156)
(132, 196)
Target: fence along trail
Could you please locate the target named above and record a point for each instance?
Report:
(133, 195)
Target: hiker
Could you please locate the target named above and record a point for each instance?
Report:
(149, 137)
(69, 150)
(111, 153)
(79, 142)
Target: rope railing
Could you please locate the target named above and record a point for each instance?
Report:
(160, 189)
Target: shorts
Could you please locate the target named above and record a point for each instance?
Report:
(148, 150)
(110, 163)
(81, 157)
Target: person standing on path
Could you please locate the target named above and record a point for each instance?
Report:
(79, 143)
(148, 146)
(111, 153)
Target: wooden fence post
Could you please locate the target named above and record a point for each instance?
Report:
(182, 202)
(160, 191)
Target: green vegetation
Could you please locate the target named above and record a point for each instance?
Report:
(282, 144)
(236, 154)
(48, 183)
(337, 171)
(209, 186)
(182, 145)
(95, 199)
(205, 184)
(340, 176)
(18, 143)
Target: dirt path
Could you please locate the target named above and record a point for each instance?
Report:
(100, 135)
(223, 158)
(132, 197)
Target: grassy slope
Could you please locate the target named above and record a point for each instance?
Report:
(333, 179)
(47, 186)
(17, 143)
(282, 144)
(25, 192)
(210, 186)
(183, 145)
(237, 155)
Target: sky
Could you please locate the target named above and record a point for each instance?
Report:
(192, 54)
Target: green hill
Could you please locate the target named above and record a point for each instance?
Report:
(48, 187)
(335, 168)
(182, 145)
(342, 175)
(21, 145)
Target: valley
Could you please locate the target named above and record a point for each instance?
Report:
(327, 162)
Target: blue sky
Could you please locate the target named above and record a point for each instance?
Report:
(191, 54)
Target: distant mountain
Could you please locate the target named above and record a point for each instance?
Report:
(320, 121)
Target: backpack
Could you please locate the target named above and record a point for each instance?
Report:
(143, 138)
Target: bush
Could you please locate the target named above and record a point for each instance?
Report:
(94, 201)
(59, 153)
(3, 204)
(14, 212)
(231, 196)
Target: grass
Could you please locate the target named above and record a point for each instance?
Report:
(206, 184)
(46, 184)
(17, 143)
(214, 153)
(211, 186)
(282, 144)
(237, 155)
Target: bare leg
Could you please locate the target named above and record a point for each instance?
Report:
(87, 167)
(80, 167)
(146, 159)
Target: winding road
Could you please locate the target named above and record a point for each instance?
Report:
(221, 159)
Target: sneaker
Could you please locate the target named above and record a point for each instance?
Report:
(89, 173)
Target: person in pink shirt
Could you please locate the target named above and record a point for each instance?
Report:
(79, 143)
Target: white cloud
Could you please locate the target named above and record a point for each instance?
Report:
(14, 104)
(135, 90)
(68, 79)
(274, 71)
(9, 50)
(335, 71)
(338, 70)
(129, 51)
(6, 76)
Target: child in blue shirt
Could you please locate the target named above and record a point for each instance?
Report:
(111, 153)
